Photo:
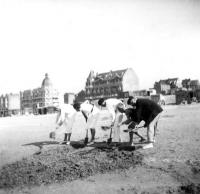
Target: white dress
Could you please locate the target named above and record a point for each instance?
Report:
(92, 113)
(111, 105)
(67, 117)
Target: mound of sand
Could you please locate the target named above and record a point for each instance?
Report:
(63, 163)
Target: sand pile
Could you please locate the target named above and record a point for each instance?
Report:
(63, 163)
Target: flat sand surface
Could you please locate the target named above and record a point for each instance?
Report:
(172, 166)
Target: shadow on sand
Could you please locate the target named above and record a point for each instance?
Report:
(104, 145)
(40, 144)
(80, 144)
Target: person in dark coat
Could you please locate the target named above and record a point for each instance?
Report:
(148, 111)
(132, 124)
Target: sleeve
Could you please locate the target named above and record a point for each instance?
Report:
(74, 118)
(59, 120)
(112, 112)
(85, 115)
(138, 118)
(126, 122)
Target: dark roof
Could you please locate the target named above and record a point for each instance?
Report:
(168, 81)
(111, 75)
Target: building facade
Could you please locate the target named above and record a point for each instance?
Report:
(9, 104)
(111, 84)
(167, 86)
(194, 84)
(26, 99)
(3, 106)
(69, 98)
(40, 100)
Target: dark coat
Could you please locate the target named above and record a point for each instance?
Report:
(145, 110)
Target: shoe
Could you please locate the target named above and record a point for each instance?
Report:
(63, 142)
(68, 143)
(149, 145)
(90, 143)
(132, 144)
(128, 130)
(142, 140)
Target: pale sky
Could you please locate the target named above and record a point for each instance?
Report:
(67, 38)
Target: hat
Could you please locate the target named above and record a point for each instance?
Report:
(77, 106)
(100, 101)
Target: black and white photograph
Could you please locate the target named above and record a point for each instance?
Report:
(100, 96)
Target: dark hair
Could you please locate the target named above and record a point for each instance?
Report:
(129, 100)
(77, 106)
(100, 101)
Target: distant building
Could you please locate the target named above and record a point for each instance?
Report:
(26, 99)
(111, 84)
(191, 84)
(40, 100)
(69, 98)
(81, 96)
(152, 91)
(139, 93)
(9, 104)
(3, 106)
(194, 84)
(167, 86)
(186, 83)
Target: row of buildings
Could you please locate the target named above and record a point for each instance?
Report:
(124, 83)
(170, 86)
(112, 84)
(40, 100)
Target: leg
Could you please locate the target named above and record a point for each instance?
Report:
(150, 135)
(131, 137)
(110, 138)
(92, 130)
(156, 125)
(65, 139)
(142, 139)
(116, 128)
(86, 137)
(91, 124)
(151, 132)
(68, 139)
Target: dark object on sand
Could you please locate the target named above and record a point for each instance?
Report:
(52, 135)
(105, 128)
(110, 139)
(86, 138)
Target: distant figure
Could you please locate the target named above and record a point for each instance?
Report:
(148, 111)
(112, 106)
(66, 116)
(91, 115)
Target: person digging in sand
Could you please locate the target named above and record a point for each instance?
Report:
(91, 115)
(148, 111)
(132, 125)
(66, 116)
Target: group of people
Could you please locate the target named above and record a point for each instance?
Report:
(138, 110)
